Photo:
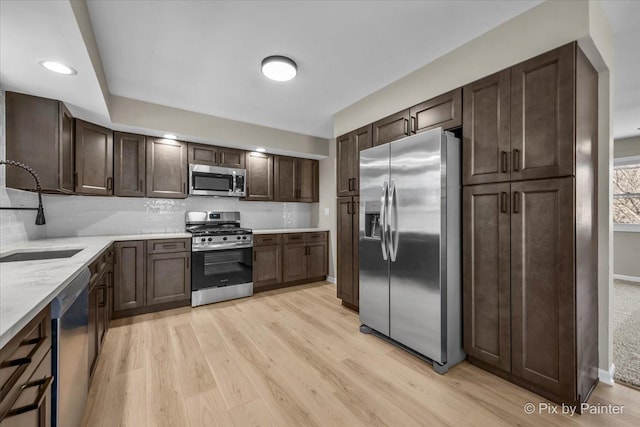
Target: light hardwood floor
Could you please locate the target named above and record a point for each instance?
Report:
(295, 357)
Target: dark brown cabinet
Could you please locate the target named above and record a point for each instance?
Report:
(94, 159)
(348, 251)
(267, 266)
(129, 276)
(443, 111)
(294, 258)
(203, 154)
(39, 133)
(26, 377)
(530, 246)
(166, 168)
(305, 260)
(129, 164)
(99, 312)
(390, 128)
(168, 277)
(348, 154)
(317, 262)
(295, 180)
(259, 178)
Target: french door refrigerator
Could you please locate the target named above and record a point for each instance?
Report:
(410, 253)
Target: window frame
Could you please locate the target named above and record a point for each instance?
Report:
(625, 161)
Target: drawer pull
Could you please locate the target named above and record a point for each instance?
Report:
(44, 384)
(27, 359)
(170, 245)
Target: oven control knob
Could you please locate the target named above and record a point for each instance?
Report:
(203, 239)
(238, 237)
(244, 238)
(210, 239)
(224, 238)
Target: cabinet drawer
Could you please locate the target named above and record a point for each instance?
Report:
(168, 245)
(20, 357)
(294, 237)
(266, 239)
(320, 236)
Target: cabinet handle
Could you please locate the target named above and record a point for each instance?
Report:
(44, 385)
(186, 262)
(215, 158)
(503, 202)
(254, 255)
(406, 127)
(169, 245)
(355, 184)
(75, 179)
(516, 202)
(349, 184)
(413, 124)
(516, 159)
(184, 187)
(109, 184)
(141, 186)
(348, 208)
(27, 359)
(504, 161)
(354, 207)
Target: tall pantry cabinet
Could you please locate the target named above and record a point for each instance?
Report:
(530, 225)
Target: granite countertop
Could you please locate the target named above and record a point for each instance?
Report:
(289, 230)
(27, 287)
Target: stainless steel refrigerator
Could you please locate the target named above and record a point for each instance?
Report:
(410, 253)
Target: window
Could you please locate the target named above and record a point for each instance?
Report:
(626, 191)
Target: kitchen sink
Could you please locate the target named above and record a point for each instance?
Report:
(39, 255)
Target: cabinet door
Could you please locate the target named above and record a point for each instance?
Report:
(355, 232)
(486, 281)
(345, 233)
(202, 154)
(259, 185)
(443, 111)
(94, 159)
(390, 128)
(128, 279)
(93, 328)
(231, 158)
(485, 130)
(362, 139)
(543, 284)
(267, 266)
(168, 277)
(129, 164)
(101, 316)
(347, 156)
(542, 115)
(66, 153)
(317, 259)
(307, 180)
(294, 262)
(285, 171)
(166, 168)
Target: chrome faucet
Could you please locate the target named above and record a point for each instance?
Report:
(40, 214)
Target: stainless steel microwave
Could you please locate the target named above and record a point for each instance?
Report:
(207, 180)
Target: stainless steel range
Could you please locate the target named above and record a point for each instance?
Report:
(221, 257)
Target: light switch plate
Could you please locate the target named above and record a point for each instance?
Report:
(326, 211)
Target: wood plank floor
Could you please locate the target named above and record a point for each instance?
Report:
(295, 357)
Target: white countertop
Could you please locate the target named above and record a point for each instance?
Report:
(26, 287)
(289, 230)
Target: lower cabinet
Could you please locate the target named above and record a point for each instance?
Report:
(348, 270)
(151, 275)
(99, 305)
(289, 259)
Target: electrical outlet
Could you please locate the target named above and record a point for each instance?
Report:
(326, 211)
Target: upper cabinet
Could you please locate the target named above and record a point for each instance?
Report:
(202, 154)
(390, 128)
(94, 159)
(129, 153)
(348, 169)
(442, 111)
(39, 133)
(296, 180)
(259, 178)
(519, 123)
(166, 168)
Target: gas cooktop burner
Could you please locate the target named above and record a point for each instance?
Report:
(219, 231)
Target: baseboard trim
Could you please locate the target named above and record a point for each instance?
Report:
(627, 278)
(332, 279)
(607, 376)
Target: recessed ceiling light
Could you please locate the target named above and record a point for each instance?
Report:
(169, 136)
(279, 68)
(260, 150)
(59, 68)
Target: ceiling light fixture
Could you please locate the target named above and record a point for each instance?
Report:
(58, 67)
(279, 68)
(260, 150)
(169, 136)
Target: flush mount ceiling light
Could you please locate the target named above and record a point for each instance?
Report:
(169, 136)
(279, 68)
(260, 150)
(59, 68)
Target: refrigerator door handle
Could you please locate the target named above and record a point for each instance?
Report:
(383, 220)
(393, 221)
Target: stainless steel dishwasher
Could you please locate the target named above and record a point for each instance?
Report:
(70, 327)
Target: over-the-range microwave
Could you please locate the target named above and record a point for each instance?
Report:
(207, 180)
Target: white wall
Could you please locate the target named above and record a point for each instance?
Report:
(328, 201)
(545, 27)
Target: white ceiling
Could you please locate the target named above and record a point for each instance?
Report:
(205, 56)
